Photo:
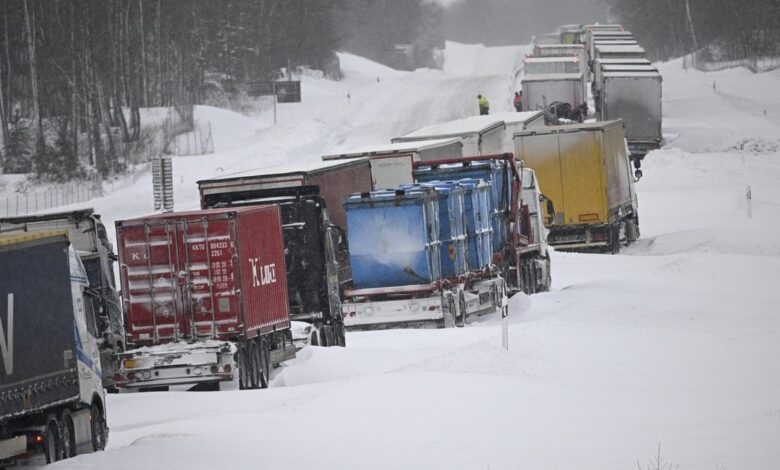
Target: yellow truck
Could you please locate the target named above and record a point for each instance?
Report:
(584, 170)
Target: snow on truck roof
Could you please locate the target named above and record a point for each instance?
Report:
(632, 74)
(398, 147)
(547, 59)
(546, 77)
(291, 169)
(614, 49)
(460, 127)
(511, 118)
(586, 126)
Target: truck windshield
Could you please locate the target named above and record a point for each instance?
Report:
(92, 266)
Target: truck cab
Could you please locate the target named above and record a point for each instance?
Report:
(89, 239)
(316, 256)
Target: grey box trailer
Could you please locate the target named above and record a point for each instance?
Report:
(635, 97)
(608, 68)
(392, 164)
(608, 51)
(539, 91)
(480, 135)
(552, 64)
(599, 63)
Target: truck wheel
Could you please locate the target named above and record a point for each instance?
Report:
(614, 238)
(243, 368)
(315, 338)
(460, 320)
(68, 435)
(341, 335)
(98, 427)
(254, 364)
(51, 440)
(265, 364)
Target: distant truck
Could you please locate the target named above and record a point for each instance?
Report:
(391, 164)
(609, 51)
(598, 68)
(479, 136)
(584, 170)
(562, 50)
(51, 392)
(205, 297)
(542, 91)
(88, 236)
(634, 96)
(316, 253)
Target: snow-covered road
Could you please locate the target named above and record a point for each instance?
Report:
(674, 341)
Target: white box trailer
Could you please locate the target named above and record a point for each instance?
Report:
(480, 135)
(392, 164)
(635, 97)
(516, 122)
(539, 91)
(558, 50)
(552, 64)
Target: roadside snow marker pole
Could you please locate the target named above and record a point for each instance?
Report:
(505, 327)
(749, 203)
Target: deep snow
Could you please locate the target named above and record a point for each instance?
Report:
(674, 341)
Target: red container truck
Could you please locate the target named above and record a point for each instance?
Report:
(205, 298)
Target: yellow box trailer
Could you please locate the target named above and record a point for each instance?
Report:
(584, 170)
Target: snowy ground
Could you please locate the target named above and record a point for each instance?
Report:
(674, 341)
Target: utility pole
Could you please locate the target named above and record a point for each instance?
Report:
(690, 24)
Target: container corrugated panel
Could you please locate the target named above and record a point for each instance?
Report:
(215, 273)
(478, 249)
(452, 231)
(496, 173)
(393, 238)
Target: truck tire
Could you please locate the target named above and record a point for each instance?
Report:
(341, 335)
(460, 319)
(255, 361)
(67, 435)
(264, 371)
(632, 230)
(243, 368)
(51, 440)
(98, 427)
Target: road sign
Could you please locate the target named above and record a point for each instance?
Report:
(285, 91)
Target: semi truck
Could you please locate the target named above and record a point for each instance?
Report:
(541, 91)
(88, 236)
(51, 391)
(316, 253)
(585, 171)
(391, 164)
(479, 136)
(205, 297)
(635, 96)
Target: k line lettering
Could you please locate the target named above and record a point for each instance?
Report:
(7, 342)
(262, 274)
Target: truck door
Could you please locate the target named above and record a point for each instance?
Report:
(337, 265)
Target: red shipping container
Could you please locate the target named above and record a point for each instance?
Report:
(208, 274)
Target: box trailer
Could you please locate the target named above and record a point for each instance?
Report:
(540, 91)
(89, 238)
(336, 179)
(391, 164)
(596, 86)
(562, 50)
(635, 97)
(479, 136)
(205, 297)
(516, 122)
(599, 64)
(585, 172)
(51, 394)
(552, 64)
(608, 51)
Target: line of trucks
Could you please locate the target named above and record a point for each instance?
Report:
(436, 228)
(623, 83)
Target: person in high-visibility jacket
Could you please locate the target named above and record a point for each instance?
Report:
(484, 105)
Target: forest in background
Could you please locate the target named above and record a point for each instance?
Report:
(75, 73)
(671, 28)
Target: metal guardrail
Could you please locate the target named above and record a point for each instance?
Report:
(713, 59)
